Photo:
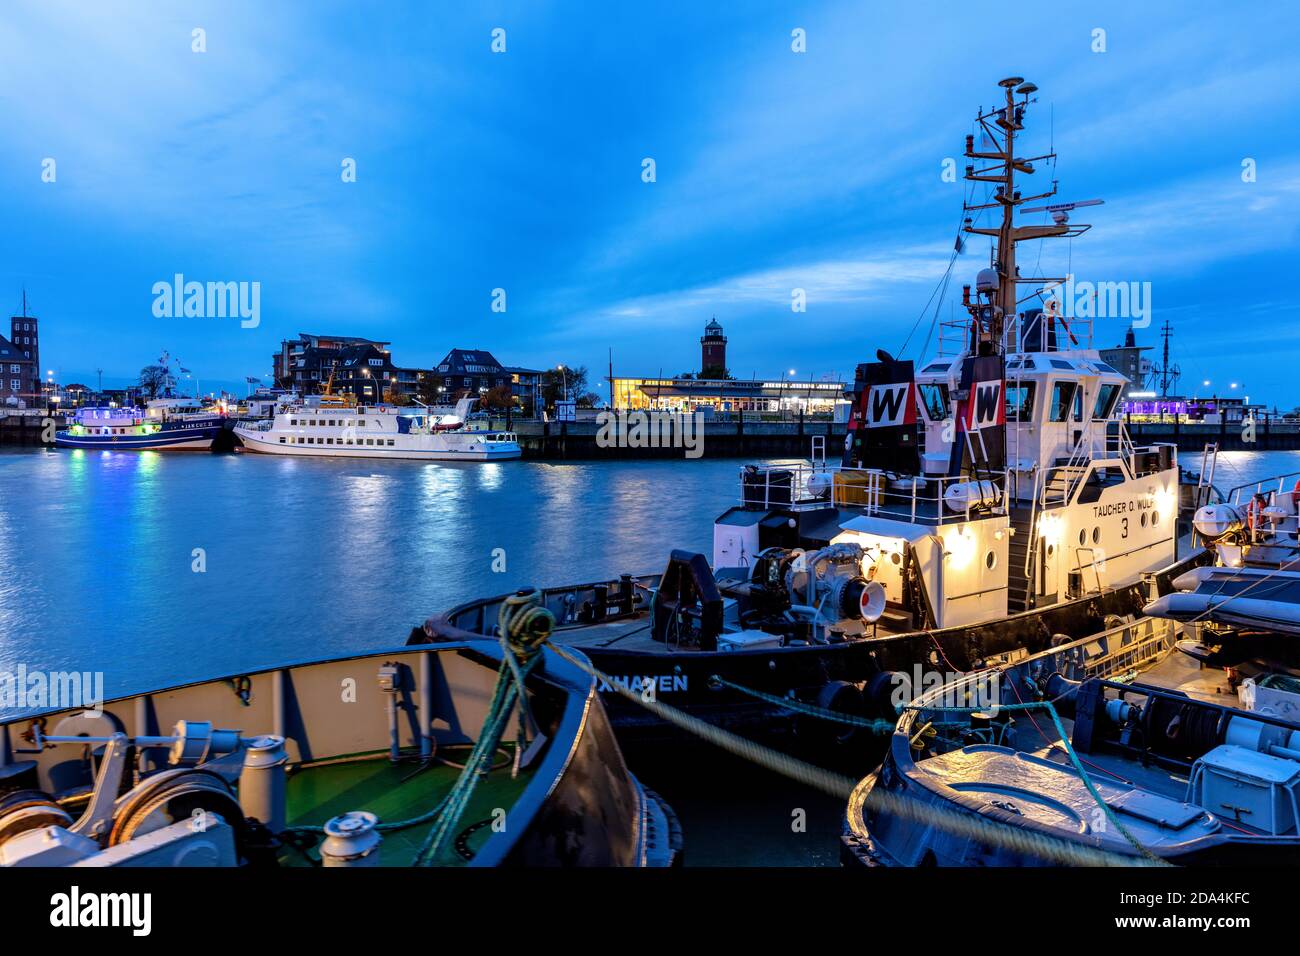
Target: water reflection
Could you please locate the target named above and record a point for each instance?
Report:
(308, 557)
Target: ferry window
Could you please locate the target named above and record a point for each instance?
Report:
(1020, 401)
(1096, 535)
(1105, 401)
(390, 442)
(1062, 399)
(361, 422)
(1061, 363)
(281, 439)
(935, 398)
(1083, 536)
(370, 441)
(1078, 405)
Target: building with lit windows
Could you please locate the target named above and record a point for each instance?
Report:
(728, 395)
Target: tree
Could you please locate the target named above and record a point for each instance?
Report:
(588, 400)
(499, 398)
(393, 395)
(427, 390)
(716, 372)
(556, 381)
(154, 379)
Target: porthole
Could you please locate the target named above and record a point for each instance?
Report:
(1083, 536)
(896, 557)
(1155, 517)
(1144, 519)
(990, 560)
(1051, 550)
(1096, 535)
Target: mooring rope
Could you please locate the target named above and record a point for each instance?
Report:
(523, 626)
(876, 726)
(887, 727)
(1065, 741)
(966, 825)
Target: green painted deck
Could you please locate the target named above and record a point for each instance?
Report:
(316, 794)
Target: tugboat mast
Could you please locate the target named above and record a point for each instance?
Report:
(1001, 300)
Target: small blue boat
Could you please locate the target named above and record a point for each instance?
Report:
(164, 424)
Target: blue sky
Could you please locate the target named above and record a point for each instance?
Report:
(522, 171)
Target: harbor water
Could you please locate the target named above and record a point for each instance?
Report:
(157, 568)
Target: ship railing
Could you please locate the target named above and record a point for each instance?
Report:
(802, 486)
(1117, 653)
(1269, 489)
(1064, 335)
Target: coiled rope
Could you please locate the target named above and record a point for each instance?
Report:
(523, 627)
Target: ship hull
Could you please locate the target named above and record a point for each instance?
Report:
(178, 437)
(687, 679)
(253, 442)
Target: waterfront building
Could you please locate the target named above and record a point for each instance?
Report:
(361, 367)
(725, 395)
(526, 387)
(1127, 359)
(473, 373)
(20, 361)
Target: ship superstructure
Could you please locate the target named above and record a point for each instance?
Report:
(1000, 477)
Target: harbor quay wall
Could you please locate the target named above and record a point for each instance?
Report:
(549, 441)
(578, 440)
(1266, 435)
(26, 428)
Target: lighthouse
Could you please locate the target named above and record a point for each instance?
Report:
(713, 351)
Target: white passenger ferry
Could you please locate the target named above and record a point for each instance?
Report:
(327, 426)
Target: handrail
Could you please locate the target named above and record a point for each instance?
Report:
(874, 495)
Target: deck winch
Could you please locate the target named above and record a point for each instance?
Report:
(821, 590)
(218, 787)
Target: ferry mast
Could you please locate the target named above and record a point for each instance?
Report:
(998, 286)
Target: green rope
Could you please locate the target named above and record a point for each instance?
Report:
(793, 705)
(1074, 758)
(524, 626)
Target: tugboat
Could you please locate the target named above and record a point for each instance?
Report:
(981, 505)
(335, 427)
(348, 762)
(1173, 738)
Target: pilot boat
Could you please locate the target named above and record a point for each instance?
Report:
(165, 424)
(338, 763)
(326, 426)
(1172, 738)
(980, 506)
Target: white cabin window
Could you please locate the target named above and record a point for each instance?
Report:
(1106, 396)
(1062, 399)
